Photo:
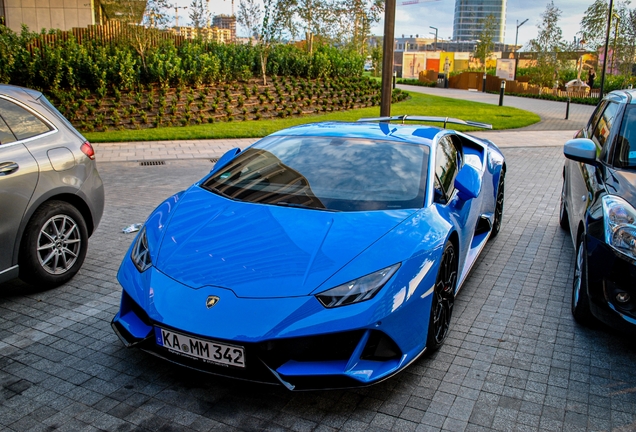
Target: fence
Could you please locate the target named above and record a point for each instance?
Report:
(112, 30)
(474, 81)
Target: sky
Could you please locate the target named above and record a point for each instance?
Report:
(415, 19)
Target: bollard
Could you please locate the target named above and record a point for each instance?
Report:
(567, 109)
(502, 89)
(394, 78)
(483, 86)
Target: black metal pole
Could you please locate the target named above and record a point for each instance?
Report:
(483, 85)
(387, 58)
(502, 89)
(567, 109)
(607, 34)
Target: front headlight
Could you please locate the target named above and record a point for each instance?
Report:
(357, 290)
(140, 254)
(620, 227)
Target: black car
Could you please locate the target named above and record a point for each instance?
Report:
(598, 207)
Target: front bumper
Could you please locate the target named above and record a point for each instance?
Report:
(611, 273)
(286, 341)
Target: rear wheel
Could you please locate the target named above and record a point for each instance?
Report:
(443, 299)
(54, 245)
(580, 299)
(499, 205)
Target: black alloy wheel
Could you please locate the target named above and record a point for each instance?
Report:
(443, 299)
(499, 206)
(580, 298)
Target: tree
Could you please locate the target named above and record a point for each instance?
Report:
(548, 44)
(274, 14)
(250, 17)
(156, 13)
(622, 38)
(483, 49)
(199, 15)
(354, 19)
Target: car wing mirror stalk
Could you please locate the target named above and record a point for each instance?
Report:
(581, 150)
(468, 183)
(227, 156)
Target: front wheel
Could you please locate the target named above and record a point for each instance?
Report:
(499, 207)
(54, 245)
(580, 298)
(443, 299)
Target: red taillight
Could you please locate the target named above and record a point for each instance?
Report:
(87, 149)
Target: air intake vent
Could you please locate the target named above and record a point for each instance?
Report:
(152, 163)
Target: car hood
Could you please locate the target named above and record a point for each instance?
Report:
(264, 251)
(622, 183)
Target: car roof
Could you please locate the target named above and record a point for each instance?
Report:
(409, 133)
(626, 96)
(19, 93)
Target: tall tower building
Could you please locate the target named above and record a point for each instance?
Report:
(470, 14)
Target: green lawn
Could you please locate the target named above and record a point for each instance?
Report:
(418, 104)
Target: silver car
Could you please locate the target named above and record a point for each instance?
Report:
(51, 195)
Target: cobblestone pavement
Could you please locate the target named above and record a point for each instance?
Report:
(514, 361)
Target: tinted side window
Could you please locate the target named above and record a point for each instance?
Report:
(22, 123)
(604, 125)
(446, 166)
(6, 136)
(595, 116)
(625, 153)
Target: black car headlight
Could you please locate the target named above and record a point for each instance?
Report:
(620, 225)
(140, 254)
(358, 290)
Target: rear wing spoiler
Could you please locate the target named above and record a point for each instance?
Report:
(445, 120)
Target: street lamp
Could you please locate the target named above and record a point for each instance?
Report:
(516, 38)
(434, 45)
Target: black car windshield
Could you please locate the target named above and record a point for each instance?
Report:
(327, 173)
(626, 149)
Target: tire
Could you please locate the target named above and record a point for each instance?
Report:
(580, 298)
(443, 299)
(564, 220)
(53, 246)
(499, 207)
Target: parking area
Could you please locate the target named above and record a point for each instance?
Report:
(515, 359)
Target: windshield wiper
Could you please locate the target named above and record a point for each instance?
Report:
(303, 206)
(218, 191)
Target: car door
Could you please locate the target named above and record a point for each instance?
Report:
(448, 161)
(582, 178)
(19, 174)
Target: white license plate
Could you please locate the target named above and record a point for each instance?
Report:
(208, 351)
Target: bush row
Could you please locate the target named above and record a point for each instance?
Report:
(130, 61)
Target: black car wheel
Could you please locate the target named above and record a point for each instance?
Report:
(563, 213)
(499, 207)
(443, 299)
(54, 245)
(580, 299)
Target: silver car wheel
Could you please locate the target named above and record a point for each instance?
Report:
(59, 244)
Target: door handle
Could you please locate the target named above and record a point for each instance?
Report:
(7, 168)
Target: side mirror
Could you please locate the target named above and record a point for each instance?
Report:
(468, 182)
(580, 150)
(223, 160)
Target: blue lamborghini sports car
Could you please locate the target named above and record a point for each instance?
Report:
(323, 256)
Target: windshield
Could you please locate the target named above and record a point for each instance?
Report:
(328, 173)
(625, 156)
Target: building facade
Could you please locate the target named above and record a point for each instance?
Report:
(225, 22)
(470, 15)
(66, 14)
